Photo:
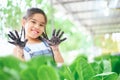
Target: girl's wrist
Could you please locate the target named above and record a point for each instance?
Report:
(55, 48)
(19, 52)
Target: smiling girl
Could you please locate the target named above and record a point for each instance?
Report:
(34, 22)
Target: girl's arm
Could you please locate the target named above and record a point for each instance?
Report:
(18, 53)
(57, 55)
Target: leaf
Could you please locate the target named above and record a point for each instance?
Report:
(115, 61)
(9, 74)
(118, 77)
(29, 74)
(10, 62)
(81, 69)
(84, 69)
(47, 73)
(3, 76)
(107, 66)
(106, 76)
(65, 73)
(41, 60)
(97, 66)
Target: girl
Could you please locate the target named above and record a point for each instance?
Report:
(34, 23)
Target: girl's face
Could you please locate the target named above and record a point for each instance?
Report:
(34, 26)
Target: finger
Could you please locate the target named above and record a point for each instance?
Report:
(22, 44)
(63, 40)
(12, 36)
(21, 33)
(44, 35)
(24, 32)
(12, 42)
(25, 41)
(61, 34)
(17, 36)
(58, 32)
(53, 34)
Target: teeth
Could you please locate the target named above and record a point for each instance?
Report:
(35, 32)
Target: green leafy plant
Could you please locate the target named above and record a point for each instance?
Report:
(105, 67)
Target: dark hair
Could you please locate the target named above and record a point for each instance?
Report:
(31, 11)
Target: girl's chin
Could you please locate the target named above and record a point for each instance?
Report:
(34, 37)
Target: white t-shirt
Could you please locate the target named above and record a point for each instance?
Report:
(36, 50)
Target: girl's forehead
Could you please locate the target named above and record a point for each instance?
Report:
(38, 17)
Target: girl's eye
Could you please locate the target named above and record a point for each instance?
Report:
(33, 22)
(41, 25)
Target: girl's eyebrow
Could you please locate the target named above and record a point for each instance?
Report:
(38, 21)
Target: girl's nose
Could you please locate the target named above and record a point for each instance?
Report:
(36, 26)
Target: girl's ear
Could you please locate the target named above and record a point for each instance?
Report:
(23, 22)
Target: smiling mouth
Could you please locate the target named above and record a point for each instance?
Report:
(35, 31)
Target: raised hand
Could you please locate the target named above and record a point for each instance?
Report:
(55, 39)
(16, 39)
